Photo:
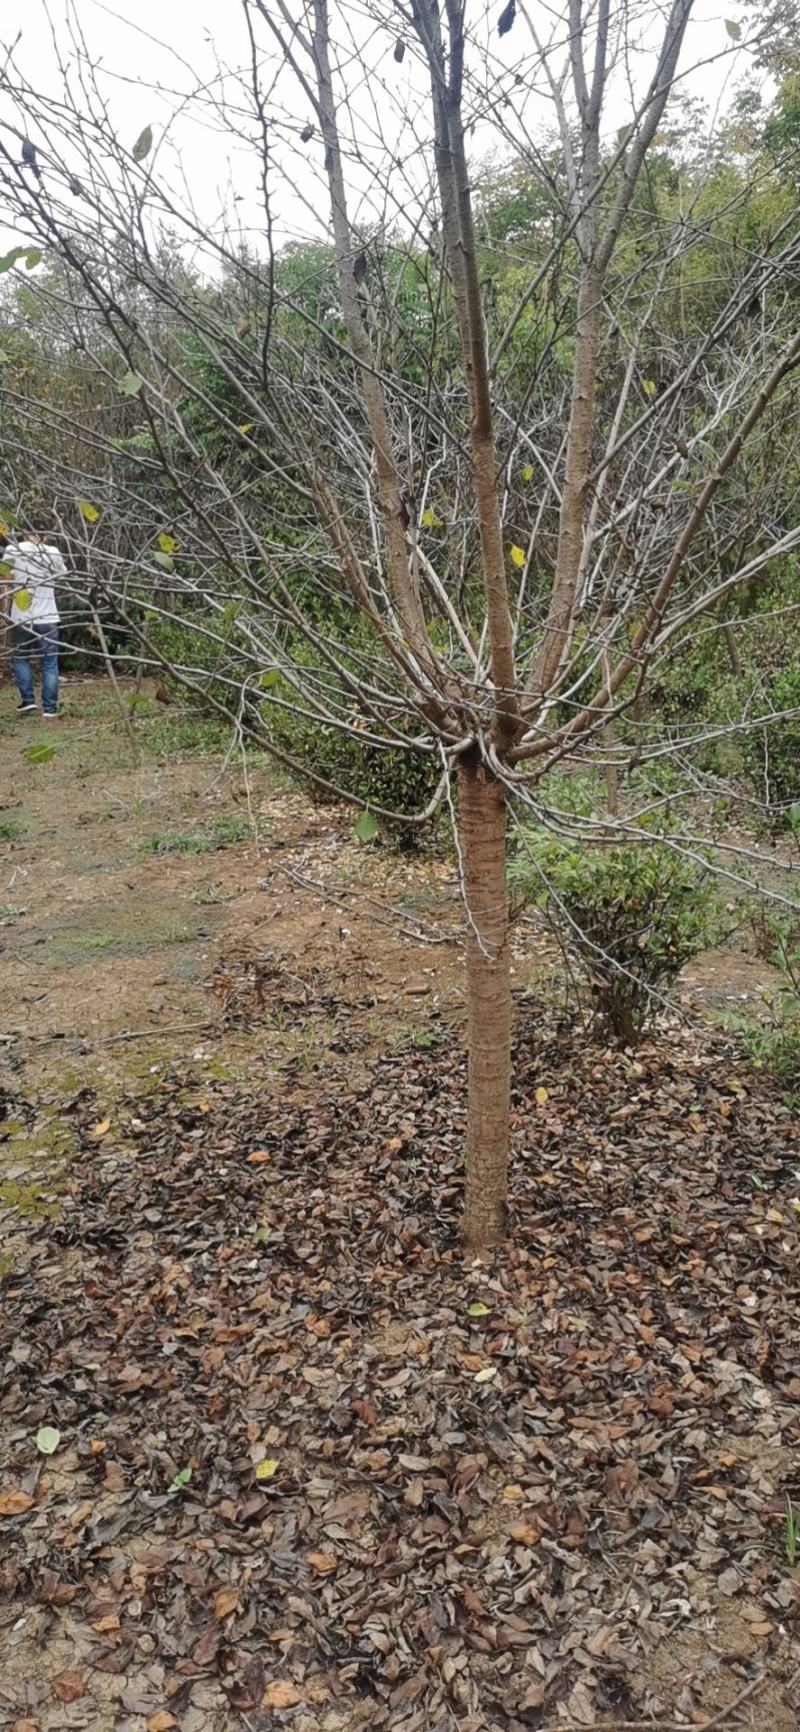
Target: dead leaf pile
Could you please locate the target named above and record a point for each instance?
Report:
(313, 1450)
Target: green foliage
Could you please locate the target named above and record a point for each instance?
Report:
(221, 834)
(399, 780)
(629, 916)
(168, 735)
(791, 1534)
(771, 753)
(772, 1038)
(10, 831)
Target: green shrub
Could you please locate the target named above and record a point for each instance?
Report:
(204, 645)
(628, 915)
(771, 753)
(396, 779)
(772, 1039)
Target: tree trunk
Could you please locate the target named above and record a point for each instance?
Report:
(482, 834)
(733, 648)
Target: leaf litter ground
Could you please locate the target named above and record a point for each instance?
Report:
(318, 1467)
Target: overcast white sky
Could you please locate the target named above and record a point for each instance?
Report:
(180, 46)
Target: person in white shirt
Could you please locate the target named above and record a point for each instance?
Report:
(35, 568)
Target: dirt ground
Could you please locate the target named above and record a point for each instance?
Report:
(280, 966)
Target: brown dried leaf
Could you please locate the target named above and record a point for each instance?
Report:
(69, 1686)
(226, 1601)
(14, 1502)
(322, 1562)
(280, 1694)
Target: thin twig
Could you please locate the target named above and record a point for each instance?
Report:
(342, 894)
(651, 1725)
(127, 1034)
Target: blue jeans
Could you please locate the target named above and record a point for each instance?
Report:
(28, 641)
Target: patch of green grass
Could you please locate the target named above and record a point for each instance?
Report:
(10, 831)
(223, 833)
(211, 893)
(30, 1200)
(167, 737)
(9, 912)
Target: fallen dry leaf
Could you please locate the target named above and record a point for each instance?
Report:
(69, 1686)
(14, 1502)
(322, 1562)
(109, 1622)
(99, 1131)
(161, 1721)
(525, 1535)
(225, 1601)
(280, 1694)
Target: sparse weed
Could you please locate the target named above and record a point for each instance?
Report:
(791, 1532)
(223, 833)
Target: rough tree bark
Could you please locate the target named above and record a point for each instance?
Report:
(482, 835)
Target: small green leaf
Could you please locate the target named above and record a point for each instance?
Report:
(269, 679)
(734, 30)
(33, 257)
(181, 1479)
(40, 754)
(130, 384)
(230, 612)
(267, 1469)
(88, 511)
(11, 258)
(517, 556)
(48, 1439)
(143, 145)
(165, 561)
(430, 520)
(527, 473)
(167, 543)
(261, 1235)
(5, 570)
(22, 599)
(649, 387)
(477, 1310)
(365, 827)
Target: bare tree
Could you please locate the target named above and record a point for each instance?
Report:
(379, 447)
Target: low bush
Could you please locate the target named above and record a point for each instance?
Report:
(398, 779)
(771, 1039)
(771, 753)
(629, 915)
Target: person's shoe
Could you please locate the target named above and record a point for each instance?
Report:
(49, 715)
(24, 709)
